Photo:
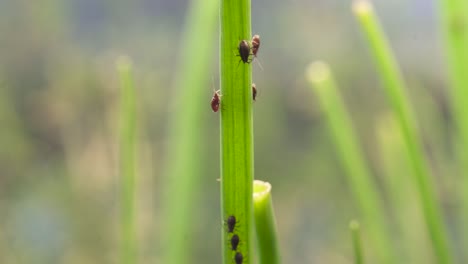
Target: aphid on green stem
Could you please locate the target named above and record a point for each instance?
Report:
(244, 51)
(234, 242)
(231, 223)
(255, 44)
(239, 258)
(254, 91)
(215, 101)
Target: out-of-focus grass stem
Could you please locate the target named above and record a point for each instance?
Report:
(190, 98)
(363, 187)
(357, 245)
(454, 25)
(395, 88)
(127, 162)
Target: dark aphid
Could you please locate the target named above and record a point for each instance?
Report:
(244, 51)
(254, 91)
(255, 44)
(231, 223)
(234, 242)
(239, 258)
(215, 101)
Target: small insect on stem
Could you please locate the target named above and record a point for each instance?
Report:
(239, 258)
(231, 223)
(254, 91)
(234, 242)
(244, 51)
(255, 44)
(215, 101)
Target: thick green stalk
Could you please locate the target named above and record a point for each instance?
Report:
(190, 100)
(363, 187)
(395, 88)
(236, 128)
(356, 238)
(454, 24)
(265, 224)
(127, 162)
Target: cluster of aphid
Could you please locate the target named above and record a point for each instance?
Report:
(245, 50)
(231, 223)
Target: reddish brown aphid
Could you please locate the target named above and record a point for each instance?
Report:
(244, 51)
(255, 44)
(215, 101)
(254, 91)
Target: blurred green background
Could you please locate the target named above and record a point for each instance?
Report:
(59, 95)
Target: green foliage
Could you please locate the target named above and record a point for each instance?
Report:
(396, 92)
(75, 150)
